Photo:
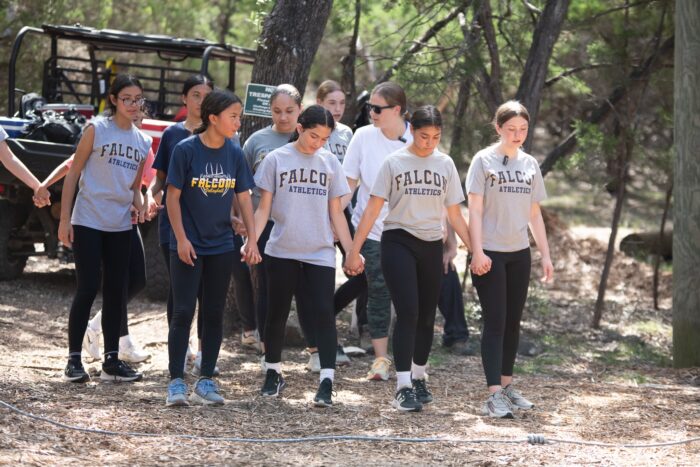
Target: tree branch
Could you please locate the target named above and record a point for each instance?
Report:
(651, 64)
(571, 71)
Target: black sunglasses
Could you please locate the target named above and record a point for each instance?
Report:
(378, 108)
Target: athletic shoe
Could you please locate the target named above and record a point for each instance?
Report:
(423, 394)
(517, 399)
(314, 365)
(379, 371)
(324, 394)
(197, 367)
(75, 373)
(341, 358)
(498, 406)
(129, 352)
(91, 343)
(206, 392)
(405, 400)
(177, 393)
(250, 339)
(114, 369)
(274, 382)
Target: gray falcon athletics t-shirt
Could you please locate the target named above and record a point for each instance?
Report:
(259, 145)
(417, 189)
(339, 140)
(301, 186)
(509, 190)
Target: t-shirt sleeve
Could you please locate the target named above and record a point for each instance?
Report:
(539, 192)
(177, 170)
(339, 182)
(3, 134)
(383, 183)
(267, 173)
(249, 152)
(162, 160)
(353, 157)
(244, 177)
(476, 179)
(454, 193)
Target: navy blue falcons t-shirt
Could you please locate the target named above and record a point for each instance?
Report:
(208, 179)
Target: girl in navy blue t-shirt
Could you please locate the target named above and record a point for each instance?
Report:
(205, 171)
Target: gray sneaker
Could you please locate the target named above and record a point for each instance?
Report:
(498, 406)
(517, 399)
(177, 390)
(206, 392)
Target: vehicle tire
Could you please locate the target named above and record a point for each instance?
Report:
(157, 276)
(11, 267)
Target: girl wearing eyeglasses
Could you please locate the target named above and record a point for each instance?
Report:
(365, 155)
(417, 183)
(109, 162)
(505, 188)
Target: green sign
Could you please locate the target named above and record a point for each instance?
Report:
(257, 100)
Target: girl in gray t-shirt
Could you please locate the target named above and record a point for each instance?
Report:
(300, 188)
(109, 162)
(418, 182)
(505, 188)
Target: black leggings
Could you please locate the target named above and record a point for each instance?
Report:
(313, 286)
(95, 250)
(412, 271)
(165, 248)
(243, 287)
(502, 294)
(137, 275)
(213, 272)
(259, 278)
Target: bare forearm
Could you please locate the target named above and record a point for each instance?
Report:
(539, 233)
(246, 208)
(457, 222)
(374, 207)
(475, 221)
(67, 195)
(18, 169)
(175, 214)
(57, 174)
(340, 226)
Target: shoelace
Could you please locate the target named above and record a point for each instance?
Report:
(506, 400)
(178, 388)
(207, 386)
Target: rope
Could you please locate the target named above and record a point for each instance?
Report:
(531, 438)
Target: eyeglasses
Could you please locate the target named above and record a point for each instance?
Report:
(127, 101)
(378, 108)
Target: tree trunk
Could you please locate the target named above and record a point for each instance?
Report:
(686, 191)
(287, 45)
(535, 73)
(348, 80)
(626, 148)
(657, 258)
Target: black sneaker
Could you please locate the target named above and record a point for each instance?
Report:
(420, 389)
(75, 373)
(324, 394)
(114, 369)
(405, 400)
(273, 384)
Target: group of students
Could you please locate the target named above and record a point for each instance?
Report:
(269, 215)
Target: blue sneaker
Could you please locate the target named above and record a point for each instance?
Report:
(206, 392)
(177, 390)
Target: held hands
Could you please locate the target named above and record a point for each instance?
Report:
(186, 253)
(41, 197)
(250, 253)
(354, 264)
(138, 215)
(153, 206)
(481, 264)
(547, 269)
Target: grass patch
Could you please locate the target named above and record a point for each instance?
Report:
(633, 351)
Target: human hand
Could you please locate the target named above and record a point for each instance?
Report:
(250, 253)
(186, 253)
(238, 226)
(41, 197)
(547, 269)
(447, 257)
(65, 233)
(481, 264)
(354, 264)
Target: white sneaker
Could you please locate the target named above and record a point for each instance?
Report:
(197, 367)
(517, 399)
(129, 352)
(314, 365)
(91, 343)
(498, 406)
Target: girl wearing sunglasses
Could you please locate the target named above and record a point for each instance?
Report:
(367, 151)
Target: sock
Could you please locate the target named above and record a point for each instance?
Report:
(327, 373)
(124, 341)
(418, 371)
(74, 356)
(403, 379)
(111, 356)
(274, 366)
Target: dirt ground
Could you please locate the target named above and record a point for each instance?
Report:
(613, 385)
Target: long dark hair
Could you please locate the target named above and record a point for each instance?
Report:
(313, 116)
(287, 90)
(120, 82)
(216, 102)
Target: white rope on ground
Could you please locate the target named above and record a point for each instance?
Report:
(531, 438)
